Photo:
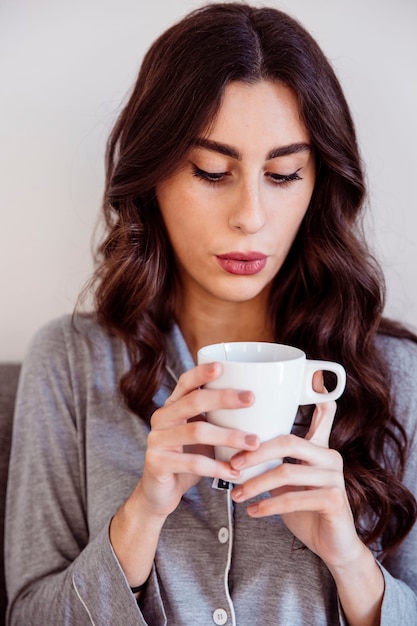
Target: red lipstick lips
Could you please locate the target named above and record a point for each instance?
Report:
(242, 263)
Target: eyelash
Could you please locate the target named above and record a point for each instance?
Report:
(208, 177)
(216, 178)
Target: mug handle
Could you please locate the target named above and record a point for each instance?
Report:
(308, 395)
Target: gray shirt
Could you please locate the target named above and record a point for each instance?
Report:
(78, 453)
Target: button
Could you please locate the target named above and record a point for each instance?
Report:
(223, 535)
(220, 617)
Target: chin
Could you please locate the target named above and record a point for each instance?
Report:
(241, 294)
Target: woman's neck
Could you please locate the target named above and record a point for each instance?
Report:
(202, 325)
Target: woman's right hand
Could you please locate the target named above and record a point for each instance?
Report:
(180, 444)
(180, 452)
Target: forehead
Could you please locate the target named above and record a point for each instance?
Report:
(263, 112)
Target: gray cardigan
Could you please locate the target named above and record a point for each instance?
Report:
(77, 454)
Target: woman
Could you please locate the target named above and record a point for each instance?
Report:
(234, 192)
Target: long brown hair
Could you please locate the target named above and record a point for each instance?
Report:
(328, 297)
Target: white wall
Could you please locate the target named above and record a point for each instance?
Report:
(65, 67)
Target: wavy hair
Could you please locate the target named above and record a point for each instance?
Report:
(327, 298)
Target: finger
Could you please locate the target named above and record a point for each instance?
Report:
(200, 432)
(323, 416)
(199, 401)
(293, 476)
(282, 447)
(165, 464)
(322, 423)
(318, 500)
(318, 382)
(193, 379)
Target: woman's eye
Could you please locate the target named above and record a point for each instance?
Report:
(284, 179)
(210, 177)
(213, 178)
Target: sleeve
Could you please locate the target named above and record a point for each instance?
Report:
(400, 570)
(55, 574)
(400, 602)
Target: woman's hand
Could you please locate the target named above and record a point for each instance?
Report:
(311, 498)
(179, 453)
(310, 494)
(180, 444)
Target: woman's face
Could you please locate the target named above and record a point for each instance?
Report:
(233, 208)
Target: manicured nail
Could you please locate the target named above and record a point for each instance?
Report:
(245, 396)
(251, 440)
(212, 368)
(237, 493)
(253, 509)
(238, 460)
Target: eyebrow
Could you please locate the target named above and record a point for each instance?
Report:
(222, 148)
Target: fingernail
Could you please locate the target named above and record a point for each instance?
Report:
(253, 509)
(234, 473)
(245, 396)
(237, 493)
(251, 440)
(212, 368)
(238, 460)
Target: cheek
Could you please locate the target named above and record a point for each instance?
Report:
(296, 210)
(302, 202)
(189, 216)
(185, 231)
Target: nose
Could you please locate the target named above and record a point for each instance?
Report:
(247, 214)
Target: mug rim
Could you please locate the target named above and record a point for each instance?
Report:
(293, 353)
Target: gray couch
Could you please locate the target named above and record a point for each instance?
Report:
(9, 376)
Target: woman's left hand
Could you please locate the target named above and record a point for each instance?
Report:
(310, 494)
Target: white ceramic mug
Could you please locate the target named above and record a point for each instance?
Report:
(280, 377)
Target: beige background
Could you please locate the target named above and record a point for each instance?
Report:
(65, 67)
